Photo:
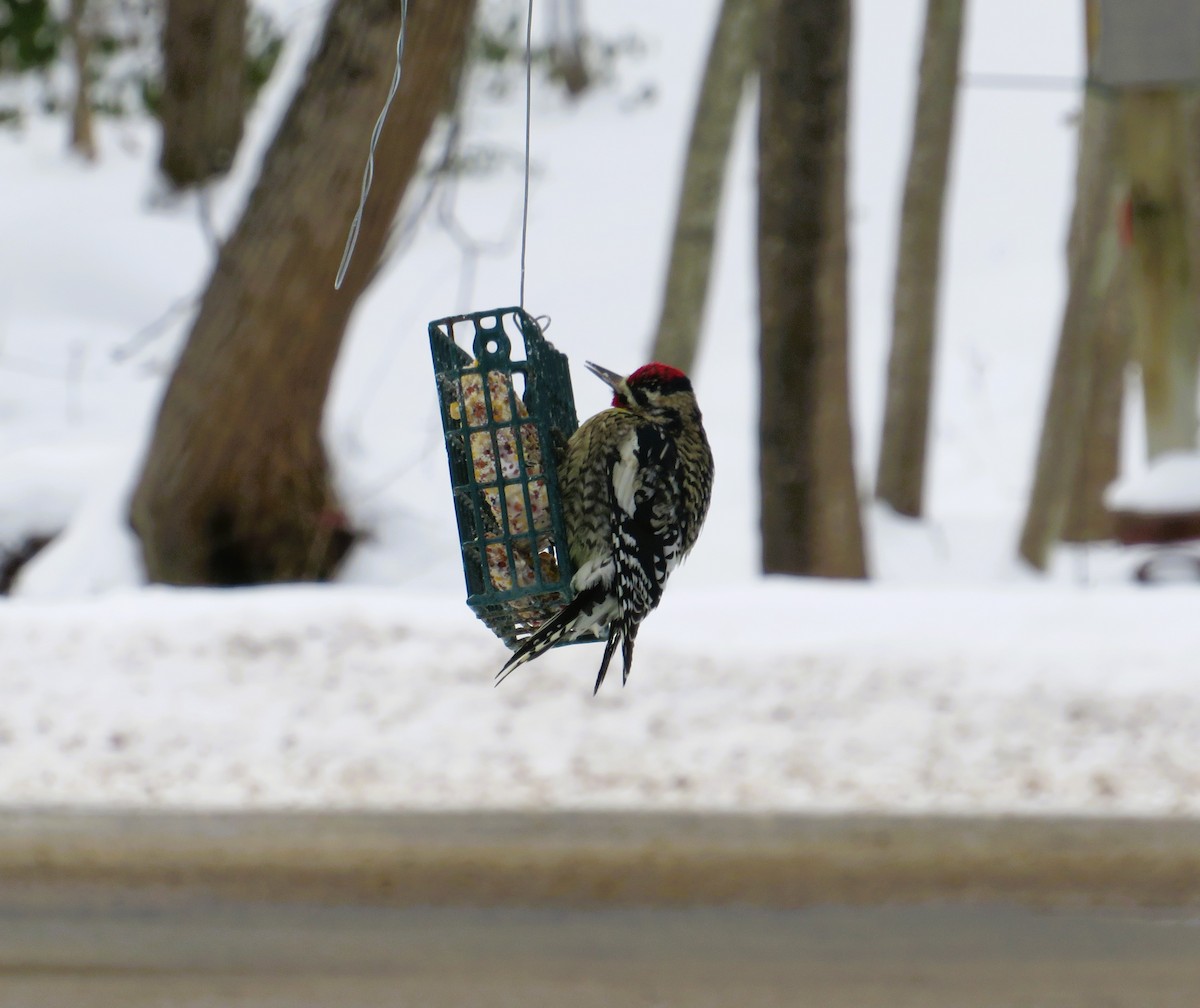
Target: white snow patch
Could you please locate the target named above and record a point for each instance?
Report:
(1169, 485)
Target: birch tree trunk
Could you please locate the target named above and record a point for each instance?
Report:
(236, 486)
(810, 509)
(900, 480)
(732, 58)
(204, 88)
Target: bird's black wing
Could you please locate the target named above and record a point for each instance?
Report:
(648, 533)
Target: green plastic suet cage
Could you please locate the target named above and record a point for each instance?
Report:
(507, 409)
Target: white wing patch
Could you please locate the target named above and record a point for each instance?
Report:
(626, 474)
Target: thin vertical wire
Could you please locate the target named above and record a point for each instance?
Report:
(528, 118)
(369, 171)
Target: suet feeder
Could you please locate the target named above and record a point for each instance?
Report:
(507, 409)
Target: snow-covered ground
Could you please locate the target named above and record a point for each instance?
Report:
(780, 696)
(955, 680)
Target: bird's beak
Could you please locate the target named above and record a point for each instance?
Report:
(611, 378)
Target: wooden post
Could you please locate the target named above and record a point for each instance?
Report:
(1164, 300)
(1148, 54)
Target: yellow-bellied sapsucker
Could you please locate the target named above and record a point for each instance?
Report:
(636, 480)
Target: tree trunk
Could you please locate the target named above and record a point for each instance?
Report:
(83, 134)
(567, 61)
(236, 487)
(901, 476)
(810, 511)
(732, 57)
(1154, 127)
(1087, 519)
(1092, 257)
(204, 88)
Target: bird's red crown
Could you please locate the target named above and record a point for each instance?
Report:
(663, 374)
(661, 377)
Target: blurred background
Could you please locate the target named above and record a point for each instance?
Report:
(932, 266)
(941, 266)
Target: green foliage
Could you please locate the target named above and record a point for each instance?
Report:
(264, 43)
(29, 35)
(498, 53)
(124, 63)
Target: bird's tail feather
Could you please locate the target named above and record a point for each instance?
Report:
(627, 651)
(614, 635)
(552, 631)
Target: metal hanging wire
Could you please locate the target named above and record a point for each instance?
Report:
(369, 171)
(528, 131)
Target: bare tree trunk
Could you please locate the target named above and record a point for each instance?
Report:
(1156, 147)
(810, 509)
(1087, 519)
(204, 88)
(567, 57)
(732, 57)
(900, 479)
(236, 486)
(83, 134)
(1092, 256)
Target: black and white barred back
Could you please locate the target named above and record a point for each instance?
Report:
(636, 481)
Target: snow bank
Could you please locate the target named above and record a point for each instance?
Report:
(783, 695)
(1169, 485)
